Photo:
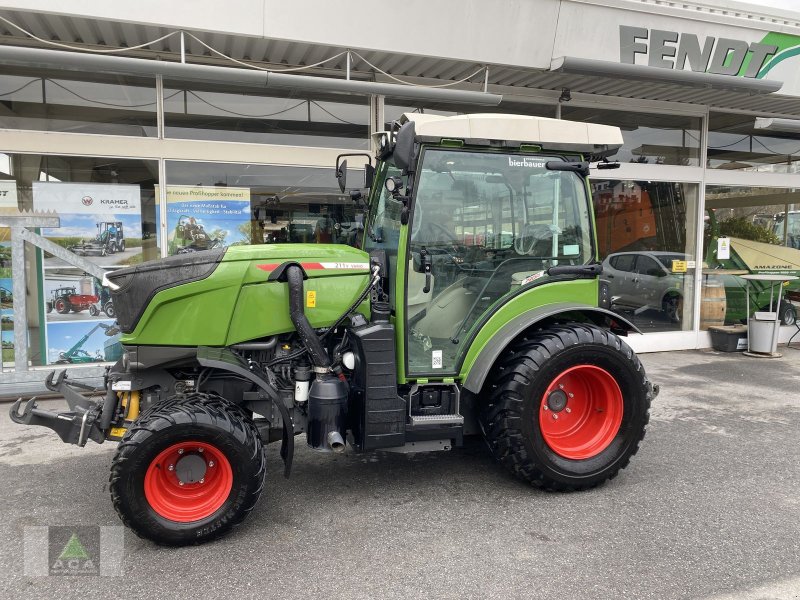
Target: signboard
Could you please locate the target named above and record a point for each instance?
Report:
(8, 194)
(723, 248)
(102, 223)
(206, 217)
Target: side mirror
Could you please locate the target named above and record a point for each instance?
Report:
(369, 176)
(341, 170)
(341, 175)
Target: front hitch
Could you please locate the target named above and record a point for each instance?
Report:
(75, 426)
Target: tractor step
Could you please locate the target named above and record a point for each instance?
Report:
(450, 420)
(423, 428)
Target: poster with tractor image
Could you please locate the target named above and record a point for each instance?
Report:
(71, 295)
(206, 217)
(99, 221)
(83, 342)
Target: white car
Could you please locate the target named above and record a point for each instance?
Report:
(644, 280)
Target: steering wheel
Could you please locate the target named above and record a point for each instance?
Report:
(533, 233)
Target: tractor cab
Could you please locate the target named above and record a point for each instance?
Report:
(467, 224)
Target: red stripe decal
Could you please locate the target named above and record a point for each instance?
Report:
(268, 267)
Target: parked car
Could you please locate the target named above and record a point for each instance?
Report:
(644, 280)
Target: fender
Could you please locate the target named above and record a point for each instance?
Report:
(512, 330)
(224, 359)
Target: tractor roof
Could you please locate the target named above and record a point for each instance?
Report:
(555, 134)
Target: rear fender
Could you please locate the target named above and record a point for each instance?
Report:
(564, 311)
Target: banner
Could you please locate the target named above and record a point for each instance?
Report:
(7, 319)
(206, 217)
(101, 222)
(8, 193)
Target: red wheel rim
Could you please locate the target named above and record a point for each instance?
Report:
(204, 490)
(581, 412)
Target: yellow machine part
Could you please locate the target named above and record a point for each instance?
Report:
(130, 404)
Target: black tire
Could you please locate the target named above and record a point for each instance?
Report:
(122, 246)
(788, 313)
(510, 418)
(203, 418)
(109, 309)
(62, 306)
(672, 306)
(93, 310)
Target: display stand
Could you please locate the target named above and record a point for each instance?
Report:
(763, 326)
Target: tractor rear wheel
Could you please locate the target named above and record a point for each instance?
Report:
(62, 306)
(188, 470)
(567, 407)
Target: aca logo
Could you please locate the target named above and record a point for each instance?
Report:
(87, 200)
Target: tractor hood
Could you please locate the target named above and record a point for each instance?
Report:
(225, 296)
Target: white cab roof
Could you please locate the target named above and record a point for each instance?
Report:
(549, 133)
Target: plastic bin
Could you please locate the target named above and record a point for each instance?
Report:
(728, 338)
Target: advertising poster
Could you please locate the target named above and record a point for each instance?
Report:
(101, 222)
(7, 318)
(206, 217)
(8, 193)
(83, 342)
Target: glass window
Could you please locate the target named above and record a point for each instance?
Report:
(211, 113)
(107, 213)
(222, 204)
(486, 224)
(650, 138)
(71, 102)
(643, 228)
(746, 143)
(763, 229)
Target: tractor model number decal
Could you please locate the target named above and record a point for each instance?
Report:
(317, 266)
(531, 278)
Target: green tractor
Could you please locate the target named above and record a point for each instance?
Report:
(475, 307)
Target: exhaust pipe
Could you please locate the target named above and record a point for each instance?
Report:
(327, 396)
(336, 442)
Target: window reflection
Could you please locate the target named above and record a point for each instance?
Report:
(742, 143)
(50, 101)
(206, 113)
(645, 234)
(650, 138)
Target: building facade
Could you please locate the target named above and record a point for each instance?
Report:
(157, 128)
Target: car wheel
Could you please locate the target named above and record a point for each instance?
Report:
(672, 306)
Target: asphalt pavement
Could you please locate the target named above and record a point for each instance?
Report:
(709, 508)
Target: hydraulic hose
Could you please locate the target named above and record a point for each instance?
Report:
(309, 337)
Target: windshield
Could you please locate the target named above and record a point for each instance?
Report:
(487, 225)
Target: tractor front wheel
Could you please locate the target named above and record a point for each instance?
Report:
(188, 470)
(567, 407)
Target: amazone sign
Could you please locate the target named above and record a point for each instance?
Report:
(722, 56)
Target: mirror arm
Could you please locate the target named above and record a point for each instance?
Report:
(425, 263)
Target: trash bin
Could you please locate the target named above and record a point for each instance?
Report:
(761, 332)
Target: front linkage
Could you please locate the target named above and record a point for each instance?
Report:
(85, 418)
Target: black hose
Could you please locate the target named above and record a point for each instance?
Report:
(309, 337)
(348, 312)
